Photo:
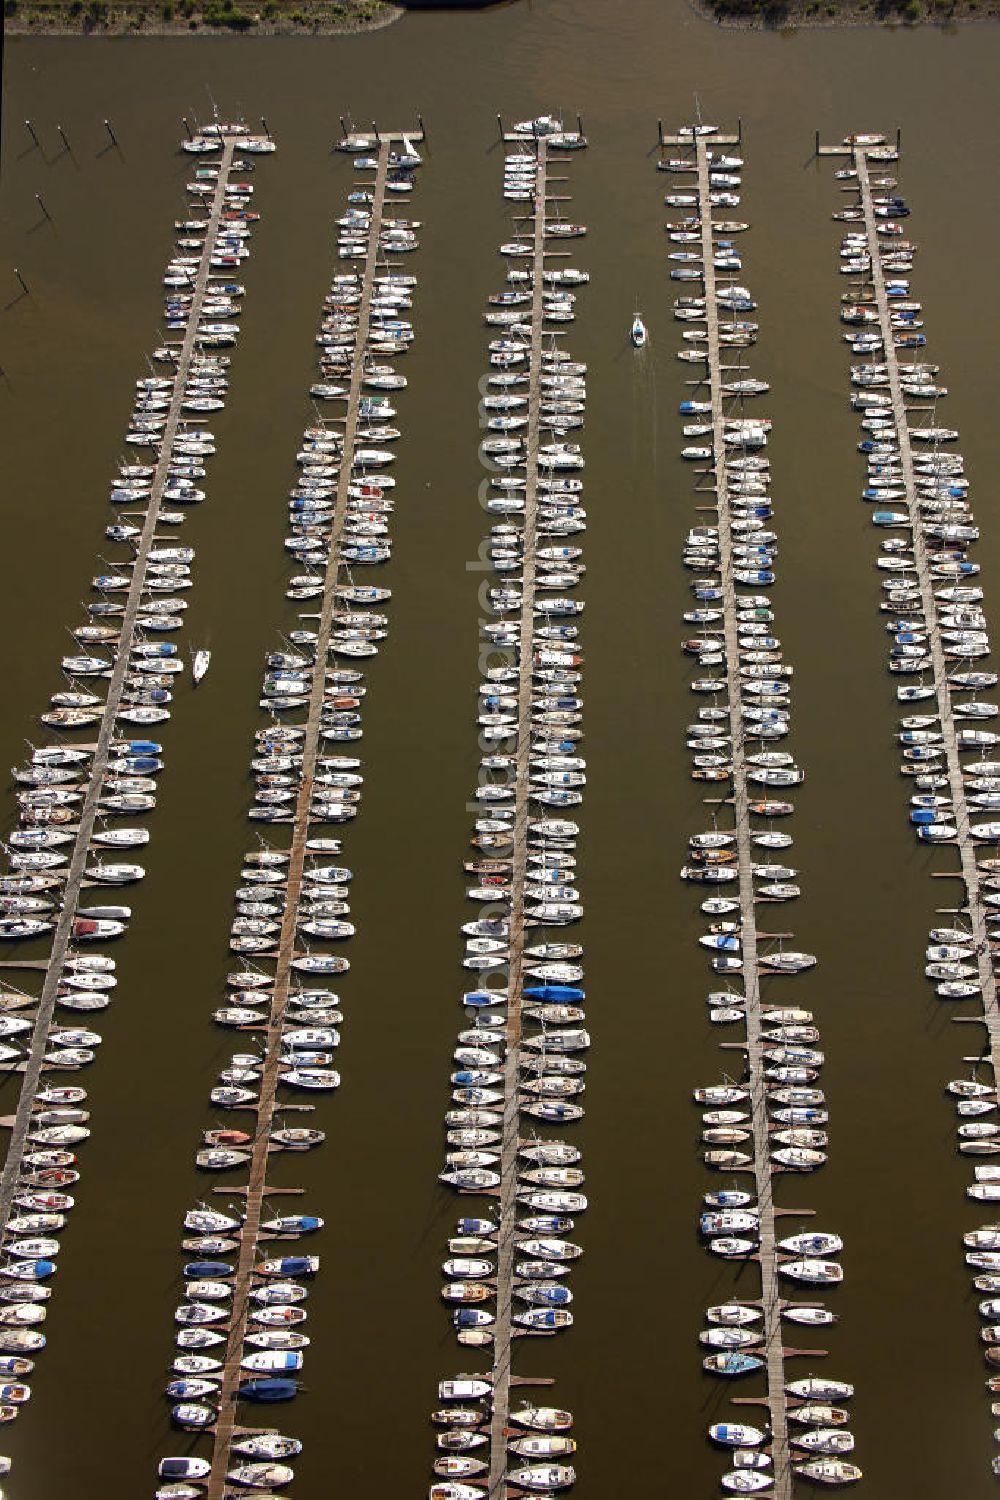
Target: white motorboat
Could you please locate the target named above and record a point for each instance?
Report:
(829, 1471)
(736, 1435)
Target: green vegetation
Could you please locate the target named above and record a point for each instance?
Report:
(788, 13)
(225, 13)
(770, 12)
(263, 17)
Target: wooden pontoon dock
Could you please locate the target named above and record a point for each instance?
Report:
(109, 729)
(255, 1191)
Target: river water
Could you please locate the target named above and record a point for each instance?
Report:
(894, 1188)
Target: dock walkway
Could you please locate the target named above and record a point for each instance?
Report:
(770, 1292)
(964, 843)
(109, 729)
(506, 1241)
(256, 1188)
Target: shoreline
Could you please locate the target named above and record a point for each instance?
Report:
(201, 19)
(818, 15)
(172, 18)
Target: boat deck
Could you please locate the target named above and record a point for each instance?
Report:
(109, 729)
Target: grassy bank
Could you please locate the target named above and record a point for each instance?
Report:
(780, 14)
(193, 17)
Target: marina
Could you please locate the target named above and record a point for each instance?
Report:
(940, 648)
(294, 902)
(63, 811)
(745, 694)
(647, 1284)
(524, 870)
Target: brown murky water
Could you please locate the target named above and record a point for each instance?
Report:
(630, 1367)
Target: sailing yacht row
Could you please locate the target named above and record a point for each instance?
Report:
(80, 802)
(772, 1119)
(939, 647)
(518, 1067)
(240, 1324)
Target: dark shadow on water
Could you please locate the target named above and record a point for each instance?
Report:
(456, 4)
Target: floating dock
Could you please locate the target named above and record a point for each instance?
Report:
(255, 1190)
(529, 704)
(510, 1140)
(762, 1170)
(928, 497)
(109, 729)
(964, 843)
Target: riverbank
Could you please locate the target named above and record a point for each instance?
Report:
(790, 15)
(195, 17)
